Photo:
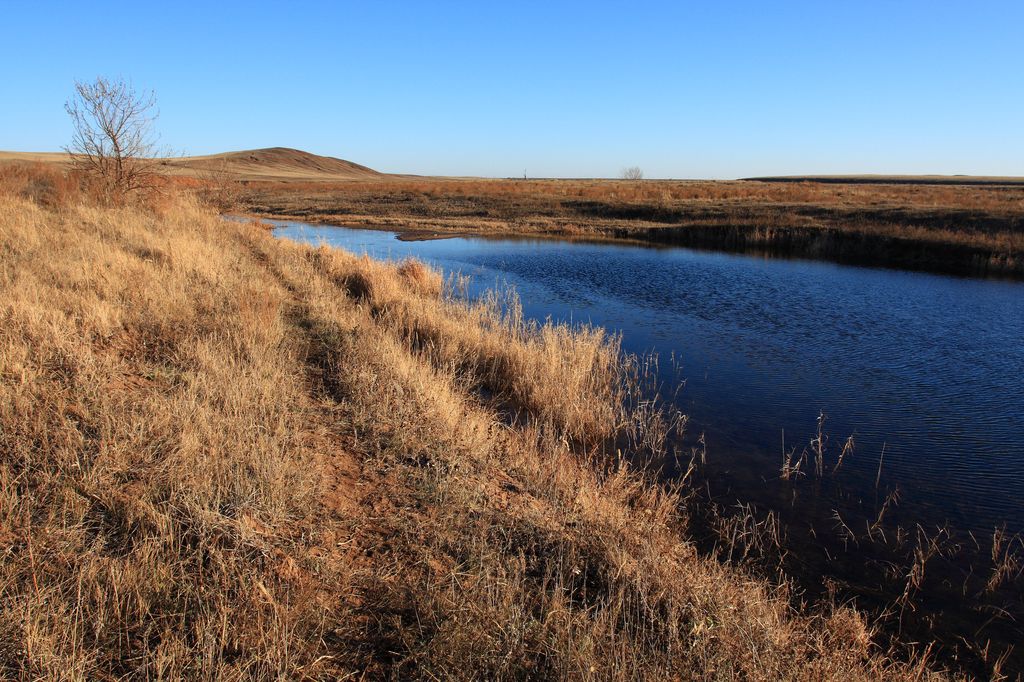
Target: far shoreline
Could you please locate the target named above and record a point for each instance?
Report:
(824, 245)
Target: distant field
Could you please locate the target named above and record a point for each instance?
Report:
(897, 179)
(953, 224)
(33, 157)
(966, 229)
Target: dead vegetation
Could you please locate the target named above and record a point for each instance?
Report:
(944, 228)
(227, 456)
(913, 223)
(962, 592)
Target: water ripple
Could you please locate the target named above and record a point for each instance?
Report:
(929, 365)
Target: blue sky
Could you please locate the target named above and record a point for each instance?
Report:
(719, 90)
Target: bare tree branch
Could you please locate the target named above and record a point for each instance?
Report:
(113, 139)
(632, 173)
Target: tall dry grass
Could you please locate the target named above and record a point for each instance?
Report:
(155, 481)
(224, 456)
(571, 378)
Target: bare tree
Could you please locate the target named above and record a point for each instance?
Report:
(114, 140)
(632, 173)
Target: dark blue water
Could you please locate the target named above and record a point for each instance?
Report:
(929, 366)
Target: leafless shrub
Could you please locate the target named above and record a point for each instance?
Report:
(45, 185)
(220, 187)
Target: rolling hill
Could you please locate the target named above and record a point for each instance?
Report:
(274, 164)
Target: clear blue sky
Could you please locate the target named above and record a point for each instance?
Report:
(703, 89)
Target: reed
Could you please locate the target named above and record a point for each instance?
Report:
(816, 536)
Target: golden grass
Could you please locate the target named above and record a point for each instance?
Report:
(225, 456)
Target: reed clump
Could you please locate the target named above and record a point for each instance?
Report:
(228, 456)
(570, 378)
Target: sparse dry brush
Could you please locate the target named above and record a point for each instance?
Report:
(228, 456)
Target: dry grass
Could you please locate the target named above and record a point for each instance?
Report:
(224, 456)
(964, 229)
(275, 164)
(967, 229)
(668, 192)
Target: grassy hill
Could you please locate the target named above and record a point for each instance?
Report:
(277, 164)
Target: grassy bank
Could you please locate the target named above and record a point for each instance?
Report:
(227, 456)
(973, 230)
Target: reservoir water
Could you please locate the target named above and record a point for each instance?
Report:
(927, 367)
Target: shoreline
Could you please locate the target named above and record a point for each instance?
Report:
(810, 536)
(825, 245)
